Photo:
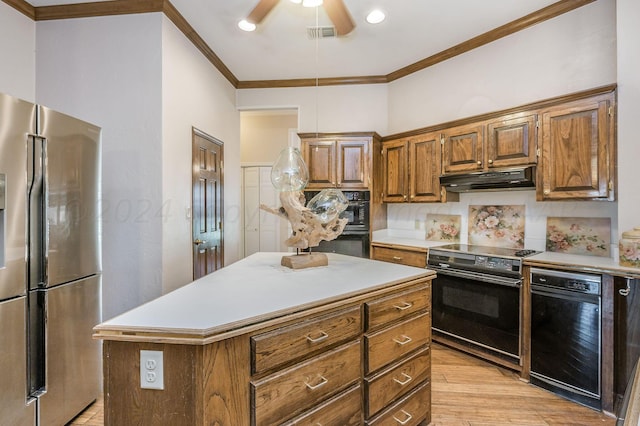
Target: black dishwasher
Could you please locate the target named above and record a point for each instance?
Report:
(565, 334)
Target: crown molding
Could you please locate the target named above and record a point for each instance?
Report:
(124, 7)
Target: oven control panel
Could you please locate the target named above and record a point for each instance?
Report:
(499, 263)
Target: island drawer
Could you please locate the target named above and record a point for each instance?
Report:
(286, 393)
(392, 343)
(390, 384)
(402, 256)
(388, 309)
(342, 410)
(290, 343)
(409, 411)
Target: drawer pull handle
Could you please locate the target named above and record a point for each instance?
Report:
(397, 257)
(320, 338)
(323, 381)
(407, 379)
(404, 341)
(408, 417)
(404, 306)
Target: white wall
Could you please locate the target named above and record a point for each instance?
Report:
(17, 49)
(107, 70)
(264, 134)
(194, 94)
(350, 108)
(628, 113)
(572, 52)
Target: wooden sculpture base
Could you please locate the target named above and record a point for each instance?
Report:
(301, 261)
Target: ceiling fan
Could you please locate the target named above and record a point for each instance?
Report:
(336, 10)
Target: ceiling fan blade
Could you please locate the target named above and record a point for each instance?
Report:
(261, 10)
(340, 16)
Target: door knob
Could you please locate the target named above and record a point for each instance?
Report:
(198, 242)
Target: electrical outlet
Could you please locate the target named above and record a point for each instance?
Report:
(151, 370)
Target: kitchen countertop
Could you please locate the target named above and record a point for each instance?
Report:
(254, 289)
(594, 264)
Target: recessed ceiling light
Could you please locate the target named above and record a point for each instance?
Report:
(311, 3)
(245, 25)
(375, 16)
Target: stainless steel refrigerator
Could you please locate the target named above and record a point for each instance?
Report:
(50, 264)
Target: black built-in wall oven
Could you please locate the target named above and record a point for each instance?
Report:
(476, 299)
(354, 240)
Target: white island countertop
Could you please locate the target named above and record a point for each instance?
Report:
(252, 290)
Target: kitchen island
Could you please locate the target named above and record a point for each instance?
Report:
(258, 343)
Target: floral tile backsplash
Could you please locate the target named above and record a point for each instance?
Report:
(443, 227)
(497, 226)
(579, 235)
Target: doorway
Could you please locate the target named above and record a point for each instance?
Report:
(207, 204)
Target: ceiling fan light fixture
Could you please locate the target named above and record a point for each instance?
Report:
(375, 16)
(245, 25)
(311, 3)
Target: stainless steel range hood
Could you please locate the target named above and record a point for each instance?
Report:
(494, 180)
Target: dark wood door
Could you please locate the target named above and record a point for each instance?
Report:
(207, 204)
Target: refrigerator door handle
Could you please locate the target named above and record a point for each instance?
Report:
(36, 266)
(37, 205)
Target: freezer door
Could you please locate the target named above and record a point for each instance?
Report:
(73, 363)
(72, 186)
(13, 374)
(17, 121)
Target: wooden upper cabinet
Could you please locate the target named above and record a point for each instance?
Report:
(578, 150)
(512, 141)
(395, 170)
(411, 169)
(338, 163)
(463, 148)
(424, 165)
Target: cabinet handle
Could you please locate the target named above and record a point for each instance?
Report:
(407, 379)
(490, 161)
(408, 417)
(479, 163)
(404, 306)
(323, 381)
(405, 339)
(397, 257)
(625, 291)
(320, 338)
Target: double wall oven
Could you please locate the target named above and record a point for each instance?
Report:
(354, 240)
(476, 299)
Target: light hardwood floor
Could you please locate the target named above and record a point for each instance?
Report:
(467, 391)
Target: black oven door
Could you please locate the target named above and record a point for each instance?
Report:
(479, 311)
(351, 243)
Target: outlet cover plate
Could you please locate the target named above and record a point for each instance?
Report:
(151, 370)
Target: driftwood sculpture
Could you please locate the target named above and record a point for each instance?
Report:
(308, 229)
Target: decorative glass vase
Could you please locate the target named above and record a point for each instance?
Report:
(289, 172)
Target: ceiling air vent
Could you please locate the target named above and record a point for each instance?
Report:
(321, 32)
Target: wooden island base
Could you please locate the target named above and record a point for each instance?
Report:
(358, 355)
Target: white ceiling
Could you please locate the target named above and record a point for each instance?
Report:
(280, 49)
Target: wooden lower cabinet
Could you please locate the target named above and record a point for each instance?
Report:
(405, 255)
(360, 360)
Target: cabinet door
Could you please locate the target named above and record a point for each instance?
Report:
(320, 157)
(353, 164)
(511, 141)
(424, 164)
(576, 151)
(463, 149)
(395, 171)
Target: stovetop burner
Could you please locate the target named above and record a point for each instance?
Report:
(488, 250)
